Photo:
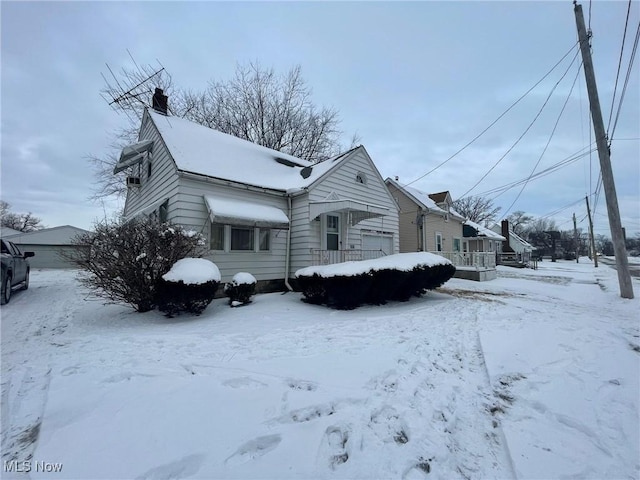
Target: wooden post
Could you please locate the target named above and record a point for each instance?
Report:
(575, 239)
(619, 249)
(591, 237)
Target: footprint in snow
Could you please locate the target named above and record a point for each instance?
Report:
(244, 382)
(301, 385)
(388, 425)
(183, 468)
(334, 446)
(254, 449)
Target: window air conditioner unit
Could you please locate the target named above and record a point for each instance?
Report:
(133, 181)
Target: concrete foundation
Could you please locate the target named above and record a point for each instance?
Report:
(480, 275)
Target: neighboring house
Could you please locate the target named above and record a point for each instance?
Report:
(481, 239)
(6, 232)
(261, 211)
(429, 223)
(49, 245)
(426, 226)
(514, 247)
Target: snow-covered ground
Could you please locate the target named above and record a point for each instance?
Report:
(533, 375)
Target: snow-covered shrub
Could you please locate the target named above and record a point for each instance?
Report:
(394, 277)
(240, 289)
(189, 286)
(125, 260)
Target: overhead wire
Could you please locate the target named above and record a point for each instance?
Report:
(525, 131)
(626, 82)
(615, 88)
(497, 119)
(542, 173)
(544, 150)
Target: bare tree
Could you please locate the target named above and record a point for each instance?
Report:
(477, 209)
(257, 105)
(23, 222)
(518, 221)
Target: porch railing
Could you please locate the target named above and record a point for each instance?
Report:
(329, 257)
(470, 259)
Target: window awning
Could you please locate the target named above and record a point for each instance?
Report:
(133, 154)
(148, 210)
(243, 213)
(358, 210)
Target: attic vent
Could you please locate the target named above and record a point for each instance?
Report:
(306, 171)
(361, 178)
(286, 162)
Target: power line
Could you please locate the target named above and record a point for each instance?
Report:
(615, 88)
(496, 120)
(626, 82)
(544, 150)
(526, 130)
(543, 173)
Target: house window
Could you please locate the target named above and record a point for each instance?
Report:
(456, 244)
(264, 239)
(148, 169)
(163, 212)
(242, 239)
(491, 245)
(217, 237)
(361, 178)
(333, 232)
(438, 241)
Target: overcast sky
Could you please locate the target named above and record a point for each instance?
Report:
(416, 81)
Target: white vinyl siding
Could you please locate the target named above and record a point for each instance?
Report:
(306, 235)
(163, 182)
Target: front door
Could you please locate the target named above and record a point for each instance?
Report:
(332, 232)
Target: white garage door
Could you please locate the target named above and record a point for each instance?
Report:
(378, 242)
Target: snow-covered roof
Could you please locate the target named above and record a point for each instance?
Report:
(421, 198)
(518, 238)
(7, 232)
(62, 235)
(484, 231)
(202, 150)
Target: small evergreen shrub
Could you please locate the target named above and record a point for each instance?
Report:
(189, 286)
(313, 289)
(396, 277)
(240, 289)
(349, 291)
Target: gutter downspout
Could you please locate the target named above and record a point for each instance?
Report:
(287, 259)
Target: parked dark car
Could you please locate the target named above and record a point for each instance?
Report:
(15, 270)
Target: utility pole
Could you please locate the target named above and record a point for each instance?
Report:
(619, 249)
(575, 239)
(593, 240)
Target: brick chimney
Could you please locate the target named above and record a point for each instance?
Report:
(160, 101)
(505, 233)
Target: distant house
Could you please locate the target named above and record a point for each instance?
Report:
(429, 223)
(481, 239)
(48, 244)
(6, 232)
(425, 225)
(514, 247)
(262, 211)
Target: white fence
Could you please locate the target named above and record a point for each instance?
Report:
(329, 257)
(470, 259)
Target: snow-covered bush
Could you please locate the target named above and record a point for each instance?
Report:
(189, 286)
(240, 289)
(394, 277)
(125, 260)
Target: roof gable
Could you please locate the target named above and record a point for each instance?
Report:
(421, 198)
(61, 235)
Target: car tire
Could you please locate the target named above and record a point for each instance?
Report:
(25, 285)
(6, 291)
